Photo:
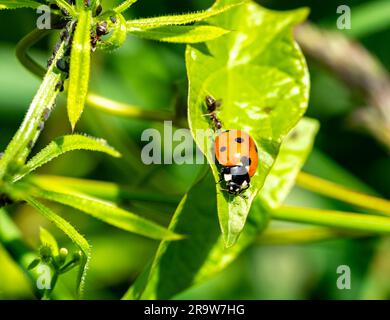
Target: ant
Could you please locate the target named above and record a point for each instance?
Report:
(212, 106)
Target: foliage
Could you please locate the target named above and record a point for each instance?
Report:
(236, 51)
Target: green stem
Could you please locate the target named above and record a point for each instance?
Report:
(106, 190)
(303, 235)
(335, 191)
(126, 110)
(20, 146)
(93, 100)
(24, 45)
(336, 219)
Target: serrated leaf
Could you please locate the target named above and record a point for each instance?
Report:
(180, 34)
(181, 19)
(106, 211)
(80, 59)
(62, 145)
(16, 4)
(203, 249)
(261, 76)
(124, 5)
(293, 154)
(48, 239)
(71, 232)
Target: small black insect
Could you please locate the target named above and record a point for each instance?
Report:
(87, 3)
(101, 29)
(98, 10)
(212, 106)
(62, 65)
(60, 86)
(113, 19)
(30, 144)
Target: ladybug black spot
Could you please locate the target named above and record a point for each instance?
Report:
(222, 149)
(239, 140)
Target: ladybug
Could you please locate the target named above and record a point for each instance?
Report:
(237, 154)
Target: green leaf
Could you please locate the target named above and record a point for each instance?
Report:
(80, 60)
(203, 249)
(71, 232)
(48, 239)
(106, 211)
(180, 34)
(181, 19)
(16, 4)
(293, 154)
(62, 145)
(124, 5)
(261, 76)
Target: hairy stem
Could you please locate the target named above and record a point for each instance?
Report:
(27, 134)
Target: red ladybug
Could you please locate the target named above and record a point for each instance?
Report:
(237, 154)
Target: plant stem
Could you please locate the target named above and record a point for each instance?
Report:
(332, 218)
(335, 191)
(106, 190)
(93, 100)
(126, 110)
(23, 46)
(27, 134)
(303, 235)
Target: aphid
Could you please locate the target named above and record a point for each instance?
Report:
(46, 114)
(113, 19)
(212, 106)
(87, 3)
(237, 154)
(98, 10)
(59, 86)
(30, 144)
(41, 125)
(62, 65)
(101, 29)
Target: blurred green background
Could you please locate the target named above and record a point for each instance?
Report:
(152, 75)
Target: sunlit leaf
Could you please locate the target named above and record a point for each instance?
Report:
(71, 232)
(79, 67)
(203, 250)
(16, 4)
(180, 34)
(107, 212)
(48, 239)
(261, 76)
(65, 144)
(181, 19)
(293, 153)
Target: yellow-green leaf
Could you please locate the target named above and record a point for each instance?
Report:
(80, 59)
(180, 34)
